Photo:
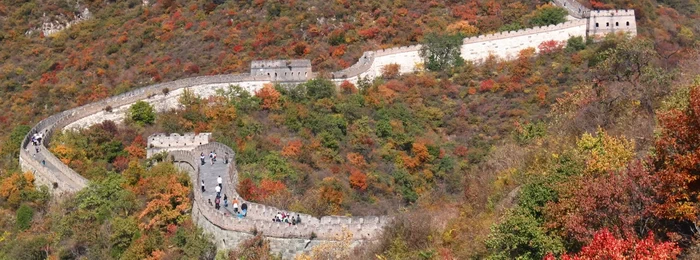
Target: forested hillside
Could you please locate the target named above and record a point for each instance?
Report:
(584, 149)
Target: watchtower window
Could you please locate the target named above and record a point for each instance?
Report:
(607, 24)
(628, 23)
(596, 25)
(617, 24)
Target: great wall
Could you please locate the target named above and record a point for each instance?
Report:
(229, 231)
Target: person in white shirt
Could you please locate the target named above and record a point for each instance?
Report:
(219, 181)
(218, 191)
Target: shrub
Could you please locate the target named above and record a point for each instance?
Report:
(142, 113)
(24, 217)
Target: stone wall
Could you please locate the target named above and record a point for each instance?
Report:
(286, 240)
(507, 45)
(174, 141)
(164, 96)
(574, 8)
(602, 22)
(282, 70)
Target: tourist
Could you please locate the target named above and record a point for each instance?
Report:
(278, 217)
(225, 201)
(226, 158)
(244, 209)
(235, 205)
(216, 203)
(218, 191)
(298, 219)
(210, 203)
(219, 181)
(201, 157)
(214, 158)
(203, 190)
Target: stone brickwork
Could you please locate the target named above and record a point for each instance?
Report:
(602, 22)
(282, 70)
(286, 240)
(170, 142)
(61, 179)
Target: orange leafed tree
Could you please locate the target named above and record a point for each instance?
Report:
(420, 151)
(292, 149)
(168, 203)
(357, 159)
(358, 180)
(269, 188)
(270, 97)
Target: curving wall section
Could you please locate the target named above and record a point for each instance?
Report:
(287, 240)
(61, 179)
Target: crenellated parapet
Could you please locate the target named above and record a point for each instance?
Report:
(602, 22)
(230, 230)
(184, 149)
(282, 70)
(574, 8)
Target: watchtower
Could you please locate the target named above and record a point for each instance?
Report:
(282, 70)
(602, 22)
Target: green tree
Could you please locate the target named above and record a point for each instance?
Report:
(320, 88)
(142, 113)
(521, 236)
(548, 14)
(124, 231)
(10, 149)
(575, 44)
(192, 242)
(440, 52)
(24, 217)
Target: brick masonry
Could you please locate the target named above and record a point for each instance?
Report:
(227, 231)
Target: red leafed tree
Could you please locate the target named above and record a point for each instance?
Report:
(347, 87)
(358, 180)
(246, 188)
(606, 246)
(270, 97)
(550, 46)
(677, 161)
(269, 188)
(620, 202)
(486, 85)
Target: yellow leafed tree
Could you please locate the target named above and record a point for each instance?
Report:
(603, 152)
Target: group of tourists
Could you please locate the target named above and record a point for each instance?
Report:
(212, 158)
(36, 141)
(287, 218)
(239, 212)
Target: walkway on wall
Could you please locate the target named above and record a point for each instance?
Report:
(208, 173)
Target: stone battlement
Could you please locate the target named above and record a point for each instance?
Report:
(61, 179)
(574, 8)
(619, 12)
(162, 140)
(282, 70)
(530, 31)
(395, 50)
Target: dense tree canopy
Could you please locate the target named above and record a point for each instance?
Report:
(556, 153)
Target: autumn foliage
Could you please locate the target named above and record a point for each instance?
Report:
(269, 96)
(606, 246)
